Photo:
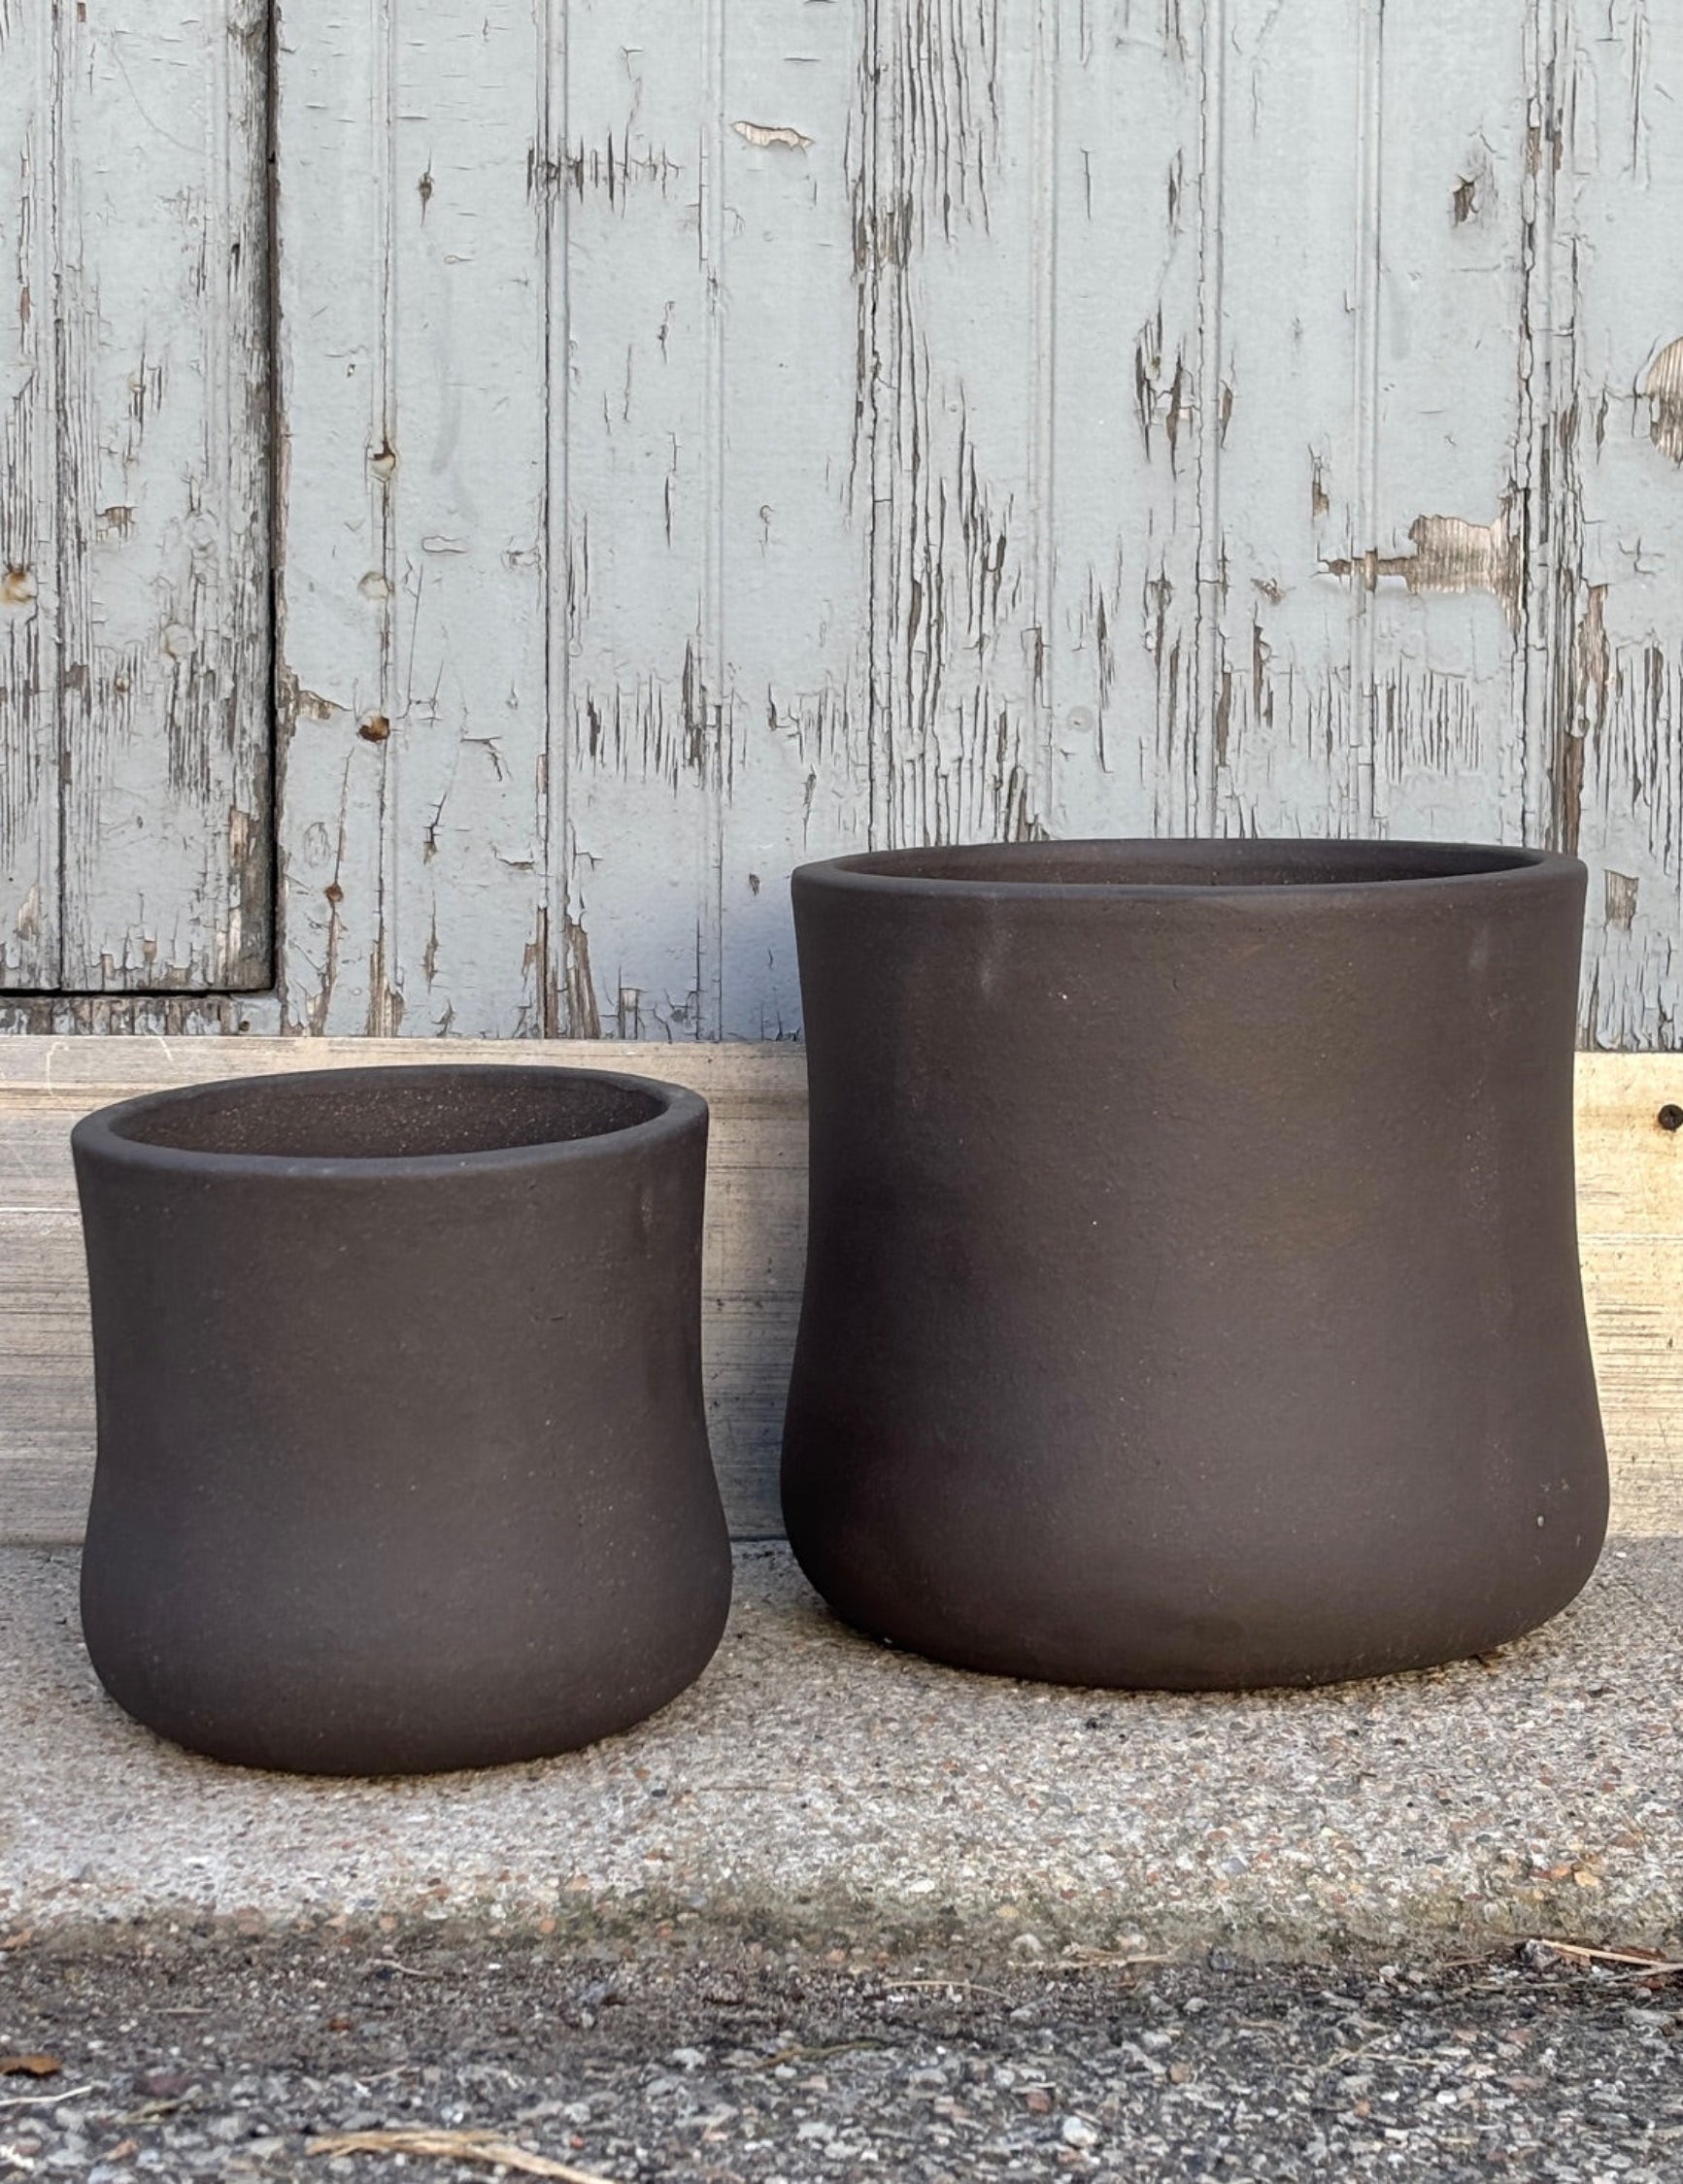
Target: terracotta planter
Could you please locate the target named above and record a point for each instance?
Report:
(1193, 1295)
(402, 1461)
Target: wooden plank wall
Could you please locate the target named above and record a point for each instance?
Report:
(710, 438)
(1631, 1180)
(136, 835)
(725, 435)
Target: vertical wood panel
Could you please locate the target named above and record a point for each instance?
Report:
(28, 558)
(1455, 420)
(162, 498)
(464, 922)
(415, 567)
(648, 711)
(1135, 431)
(337, 596)
(136, 695)
(1612, 105)
(924, 419)
(955, 207)
(1298, 239)
(795, 484)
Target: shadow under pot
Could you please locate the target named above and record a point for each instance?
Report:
(1193, 1295)
(402, 1458)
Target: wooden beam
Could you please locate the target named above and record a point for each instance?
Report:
(1631, 1176)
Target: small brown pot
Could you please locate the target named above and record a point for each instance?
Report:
(402, 1460)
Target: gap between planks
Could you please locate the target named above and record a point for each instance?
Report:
(1630, 1212)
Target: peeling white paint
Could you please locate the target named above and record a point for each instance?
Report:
(778, 139)
(134, 519)
(1663, 385)
(1449, 554)
(977, 482)
(657, 515)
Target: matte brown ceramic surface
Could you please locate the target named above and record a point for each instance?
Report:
(1193, 1293)
(402, 1460)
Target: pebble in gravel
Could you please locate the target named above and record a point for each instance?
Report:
(742, 2066)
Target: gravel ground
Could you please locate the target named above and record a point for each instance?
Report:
(209, 2057)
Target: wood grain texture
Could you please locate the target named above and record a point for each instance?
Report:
(1614, 122)
(414, 719)
(1630, 1177)
(336, 601)
(711, 440)
(926, 420)
(135, 829)
(1133, 305)
(643, 738)
(794, 586)
(29, 402)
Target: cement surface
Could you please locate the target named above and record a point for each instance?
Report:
(819, 1787)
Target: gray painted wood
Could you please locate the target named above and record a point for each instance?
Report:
(28, 403)
(713, 440)
(1614, 118)
(135, 832)
(916, 420)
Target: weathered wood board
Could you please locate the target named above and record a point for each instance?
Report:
(1631, 1173)
(724, 437)
(136, 836)
(702, 441)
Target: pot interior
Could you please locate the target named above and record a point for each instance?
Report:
(1190, 864)
(391, 1114)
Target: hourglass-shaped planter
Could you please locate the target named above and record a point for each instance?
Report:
(1193, 1295)
(402, 1460)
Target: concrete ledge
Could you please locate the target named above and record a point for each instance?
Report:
(818, 1786)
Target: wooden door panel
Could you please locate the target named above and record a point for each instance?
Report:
(135, 684)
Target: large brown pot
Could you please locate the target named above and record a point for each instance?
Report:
(1193, 1295)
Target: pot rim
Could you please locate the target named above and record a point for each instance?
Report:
(873, 871)
(101, 1134)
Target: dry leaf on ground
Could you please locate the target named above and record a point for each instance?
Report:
(29, 2066)
(452, 2146)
